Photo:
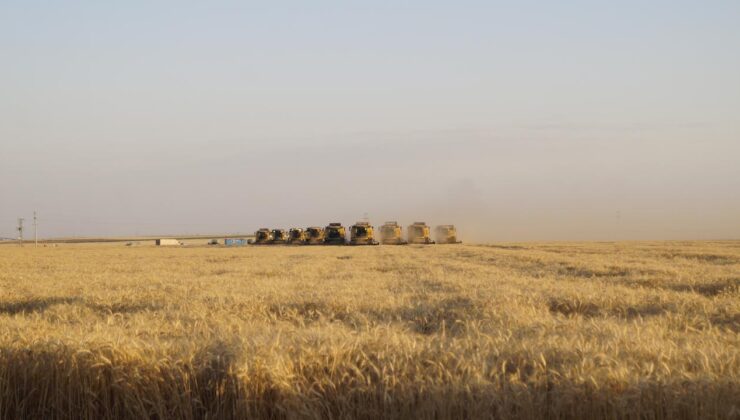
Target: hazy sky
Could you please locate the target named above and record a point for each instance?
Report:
(514, 120)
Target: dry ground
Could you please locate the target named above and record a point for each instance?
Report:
(575, 330)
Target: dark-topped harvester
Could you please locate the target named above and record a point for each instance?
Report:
(279, 236)
(262, 237)
(296, 236)
(361, 233)
(335, 234)
(314, 235)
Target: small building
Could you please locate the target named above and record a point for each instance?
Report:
(167, 242)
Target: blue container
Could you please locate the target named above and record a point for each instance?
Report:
(235, 242)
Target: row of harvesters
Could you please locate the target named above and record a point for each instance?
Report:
(361, 233)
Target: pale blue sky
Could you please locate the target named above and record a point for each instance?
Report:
(514, 120)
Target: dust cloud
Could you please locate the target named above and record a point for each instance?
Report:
(520, 185)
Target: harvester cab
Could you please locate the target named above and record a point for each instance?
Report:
(446, 234)
(419, 234)
(296, 236)
(262, 236)
(314, 235)
(361, 233)
(335, 234)
(279, 236)
(390, 234)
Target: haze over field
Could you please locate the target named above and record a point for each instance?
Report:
(586, 120)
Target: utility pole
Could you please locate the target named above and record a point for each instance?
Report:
(35, 230)
(20, 231)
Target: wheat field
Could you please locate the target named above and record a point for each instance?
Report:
(533, 330)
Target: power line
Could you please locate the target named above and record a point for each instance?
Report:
(20, 231)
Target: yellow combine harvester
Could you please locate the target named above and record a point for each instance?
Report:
(297, 236)
(390, 234)
(446, 234)
(361, 233)
(335, 234)
(314, 235)
(279, 236)
(419, 234)
(262, 237)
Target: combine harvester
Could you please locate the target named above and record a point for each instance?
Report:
(296, 236)
(419, 234)
(361, 233)
(314, 235)
(446, 234)
(390, 234)
(279, 236)
(335, 234)
(262, 237)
